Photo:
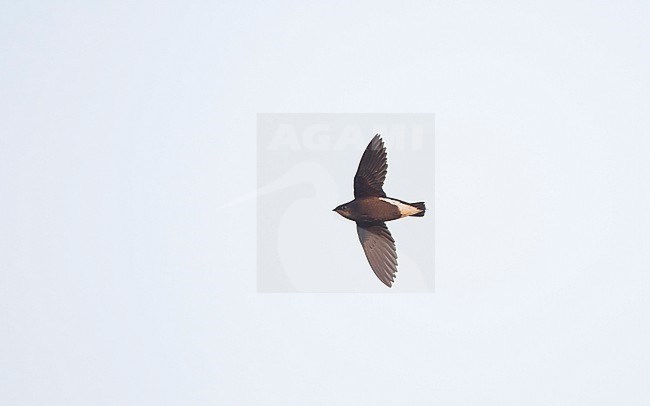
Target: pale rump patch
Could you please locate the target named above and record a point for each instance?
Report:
(404, 209)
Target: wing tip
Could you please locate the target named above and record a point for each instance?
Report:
(377, 142)
(389, 282)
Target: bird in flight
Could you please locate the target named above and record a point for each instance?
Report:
(370, 209)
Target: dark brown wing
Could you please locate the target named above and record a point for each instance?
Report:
(372, 170)
(379, 247)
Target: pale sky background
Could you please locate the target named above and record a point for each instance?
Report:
(124, 126)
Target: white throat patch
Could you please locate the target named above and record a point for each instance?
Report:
(404, 209)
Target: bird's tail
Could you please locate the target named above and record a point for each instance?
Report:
(420, 206)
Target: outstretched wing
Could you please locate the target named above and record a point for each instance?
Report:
(379, 246)
(372, 170)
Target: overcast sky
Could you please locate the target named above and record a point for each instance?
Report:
(125, 126)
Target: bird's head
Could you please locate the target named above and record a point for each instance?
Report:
(343, 210)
